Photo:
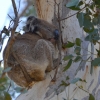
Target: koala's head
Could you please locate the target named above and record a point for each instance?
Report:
(42, 28)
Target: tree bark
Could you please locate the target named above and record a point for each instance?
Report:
(47, 10)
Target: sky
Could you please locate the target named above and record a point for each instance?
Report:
(4, 8)
(4, 21)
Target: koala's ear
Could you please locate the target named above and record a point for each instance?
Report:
(30, 18)
(31, 23)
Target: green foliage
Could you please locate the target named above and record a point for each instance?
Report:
(68, 65)
(80, 17)
(75, 80)
(72, 3)
(4, 84)
(88, 19)
(97, 2)
(77, 50)
(68, 57)
(7, 88)
(69, 44)
(91, 97)
(78, 58)
(7, 96)
(78, 42)
(20, 90)
(96, 62)
(88, 15)
(7, 69)
(64, 83)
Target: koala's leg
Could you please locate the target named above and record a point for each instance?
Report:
(42, 53)
(21, 65)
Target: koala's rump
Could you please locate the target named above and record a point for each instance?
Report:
(23, 54)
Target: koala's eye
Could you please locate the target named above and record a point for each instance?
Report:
(56, 34)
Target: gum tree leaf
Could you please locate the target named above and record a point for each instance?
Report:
(64, 84)
(7, 69)
(78, 42)
(7, 96)
(88, 25)
(72, 3)
(3, 80)
(69, 44)
(77, 50)
(74, 8)
(78, 58)
(96, 62)
(68, 65)
(95, 20)
(91, 97)
(2, 88)
(75, 80)
(80, 17)
(68, 57)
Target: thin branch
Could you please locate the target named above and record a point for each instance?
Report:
(10, 24)
(12, 39)
(19, 5)
(10, 17)
(59, 44)
(72, 14)
(75, 13)
(9, 87)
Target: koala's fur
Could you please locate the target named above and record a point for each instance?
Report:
(33, 53)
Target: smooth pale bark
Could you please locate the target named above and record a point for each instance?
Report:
(71, 30)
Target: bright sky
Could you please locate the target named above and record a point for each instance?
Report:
(4, 8)
(4, 21)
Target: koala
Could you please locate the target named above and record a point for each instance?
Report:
(32, 54)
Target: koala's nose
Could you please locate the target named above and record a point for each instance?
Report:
(56, 34)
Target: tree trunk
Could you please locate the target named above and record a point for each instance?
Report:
(48, 10)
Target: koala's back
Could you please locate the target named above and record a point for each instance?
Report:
(32, 53)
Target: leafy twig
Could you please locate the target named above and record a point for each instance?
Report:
(75, 13)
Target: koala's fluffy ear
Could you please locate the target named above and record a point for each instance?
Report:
(30, 24)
